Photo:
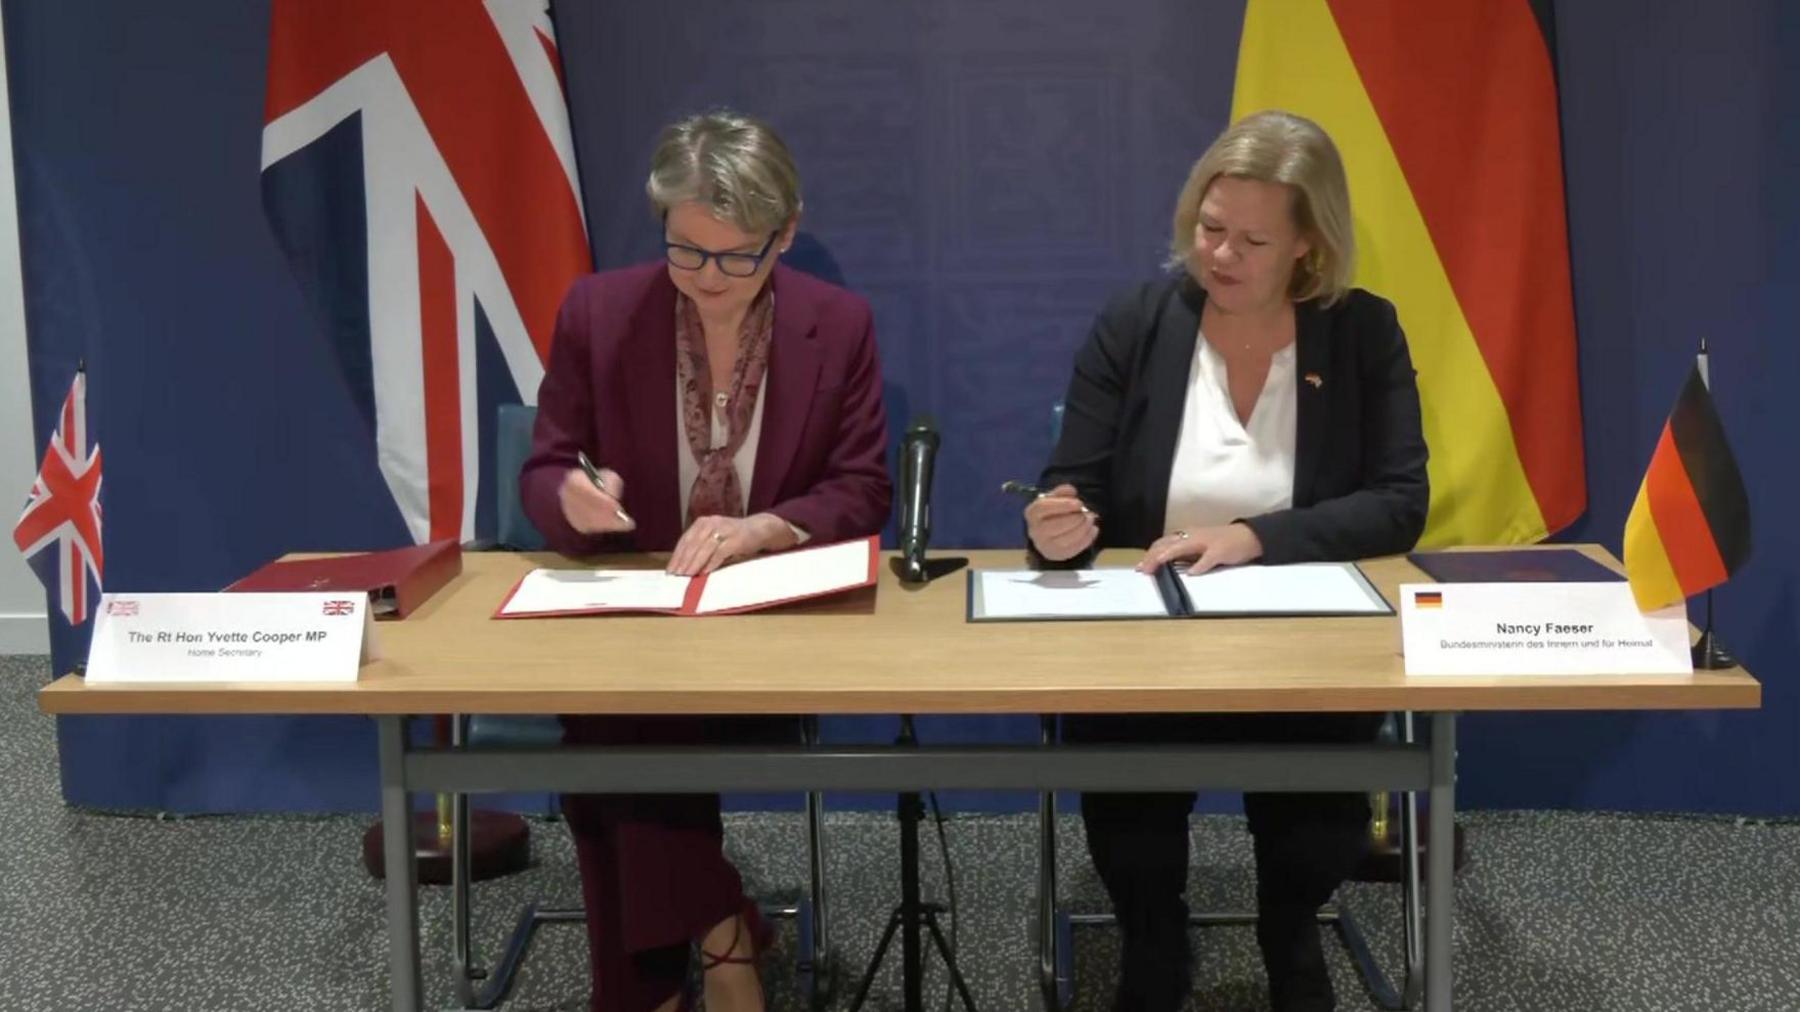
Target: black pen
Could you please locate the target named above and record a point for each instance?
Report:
(1026, 490)
(593, 474)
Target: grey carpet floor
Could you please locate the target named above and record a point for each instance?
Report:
(1555, 911)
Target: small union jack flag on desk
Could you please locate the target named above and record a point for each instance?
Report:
(59, 532)
(339, 607)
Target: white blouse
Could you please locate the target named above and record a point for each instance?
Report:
(1224, 469)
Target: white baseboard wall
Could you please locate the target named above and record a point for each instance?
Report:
(24, 629)
(24, 634)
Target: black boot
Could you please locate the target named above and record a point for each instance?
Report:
(1295, 959)
(1306, 845)
(1155, 963)
(1140, 848)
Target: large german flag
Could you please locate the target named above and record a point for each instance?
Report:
(1446, 114)
(1690, 526)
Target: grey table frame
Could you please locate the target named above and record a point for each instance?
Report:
(407, 768)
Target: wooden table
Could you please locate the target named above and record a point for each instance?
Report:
(898, 650)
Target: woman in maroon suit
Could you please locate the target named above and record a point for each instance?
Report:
(734, 407)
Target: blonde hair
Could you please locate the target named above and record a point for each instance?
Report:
(1280, 147)
(737, 166)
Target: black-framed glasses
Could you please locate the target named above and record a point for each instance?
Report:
(737, 265)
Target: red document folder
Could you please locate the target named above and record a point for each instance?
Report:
(752, 585)
(397, 581)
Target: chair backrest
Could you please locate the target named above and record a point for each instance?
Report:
(512, 444)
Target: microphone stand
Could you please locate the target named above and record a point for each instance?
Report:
(912, 914)
(915, 570)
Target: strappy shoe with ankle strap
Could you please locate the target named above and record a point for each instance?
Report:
(761, 935)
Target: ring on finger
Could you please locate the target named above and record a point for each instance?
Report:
(1183, 535)
(718, 537)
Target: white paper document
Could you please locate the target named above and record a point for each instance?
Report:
(561, 591)
(742, 586)
(1322, 588)
(1064, 593)
(786, 577)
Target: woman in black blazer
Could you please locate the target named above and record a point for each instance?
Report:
(1253, 409)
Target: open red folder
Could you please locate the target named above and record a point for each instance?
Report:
(397, 581)
(752, 585)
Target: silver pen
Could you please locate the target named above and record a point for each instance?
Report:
(593, 474)
(1026, 490)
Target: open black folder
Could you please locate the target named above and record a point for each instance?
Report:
(1307, 590)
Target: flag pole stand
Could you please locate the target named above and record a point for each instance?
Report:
(1709, 653)
(499, 842)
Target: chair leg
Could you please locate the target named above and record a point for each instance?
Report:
(1412, 984)
(1050, 957)
(1356, 944)
(818, 938)
(462, 956)
(493, 986)
(1412, 916)
(815, 831)
(819, 953)
(512, 957)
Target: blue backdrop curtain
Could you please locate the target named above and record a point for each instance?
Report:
(986, 174)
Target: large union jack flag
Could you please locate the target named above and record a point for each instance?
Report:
(418, 172)
(59, 532)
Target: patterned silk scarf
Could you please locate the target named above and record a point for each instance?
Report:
(716, 490)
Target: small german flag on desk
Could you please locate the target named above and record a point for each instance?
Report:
(1690, 527)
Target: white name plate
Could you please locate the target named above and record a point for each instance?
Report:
(1539, 629)
(140, 638)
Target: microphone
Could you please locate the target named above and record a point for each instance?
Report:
(918, 459)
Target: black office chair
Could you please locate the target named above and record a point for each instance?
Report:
(1055, 926)
(480, 988)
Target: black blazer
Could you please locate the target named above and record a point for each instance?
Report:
(1359, 471)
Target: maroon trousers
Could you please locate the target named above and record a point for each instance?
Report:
(654, 876)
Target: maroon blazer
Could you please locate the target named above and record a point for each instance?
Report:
(610, 390)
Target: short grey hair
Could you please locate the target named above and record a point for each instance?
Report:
(1280, 147)
(735, 165)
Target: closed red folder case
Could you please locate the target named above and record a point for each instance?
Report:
(397, 581)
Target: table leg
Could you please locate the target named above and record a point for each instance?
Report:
(1441, 882)
(402, 875)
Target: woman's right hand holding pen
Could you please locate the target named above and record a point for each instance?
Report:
(1059, 525)
(591, 505)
